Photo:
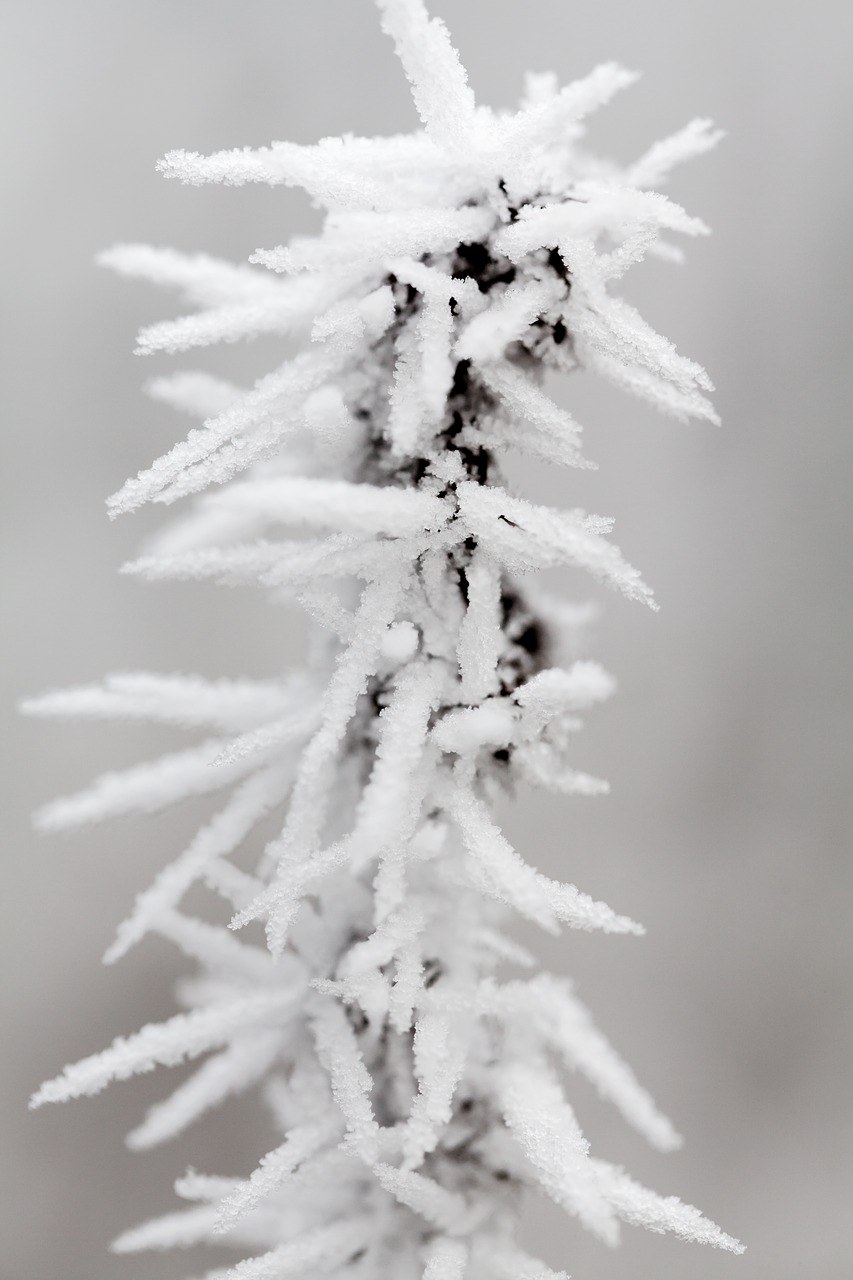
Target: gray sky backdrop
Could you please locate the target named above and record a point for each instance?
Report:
(728, 745)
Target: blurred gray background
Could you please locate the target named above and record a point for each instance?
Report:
(728, 745)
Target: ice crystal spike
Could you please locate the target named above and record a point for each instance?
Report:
(416, 1095)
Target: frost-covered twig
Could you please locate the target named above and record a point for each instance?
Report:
(415, 1089)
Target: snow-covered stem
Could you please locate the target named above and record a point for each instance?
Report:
(415, 1087)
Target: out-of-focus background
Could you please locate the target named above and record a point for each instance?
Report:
(728, 746)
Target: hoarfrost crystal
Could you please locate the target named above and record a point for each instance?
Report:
(414, 1085)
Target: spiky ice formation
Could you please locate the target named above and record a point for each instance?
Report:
(415, 1093)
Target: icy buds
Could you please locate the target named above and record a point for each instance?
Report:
(414, 1097)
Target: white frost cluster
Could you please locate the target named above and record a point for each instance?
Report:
(416, 1087)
